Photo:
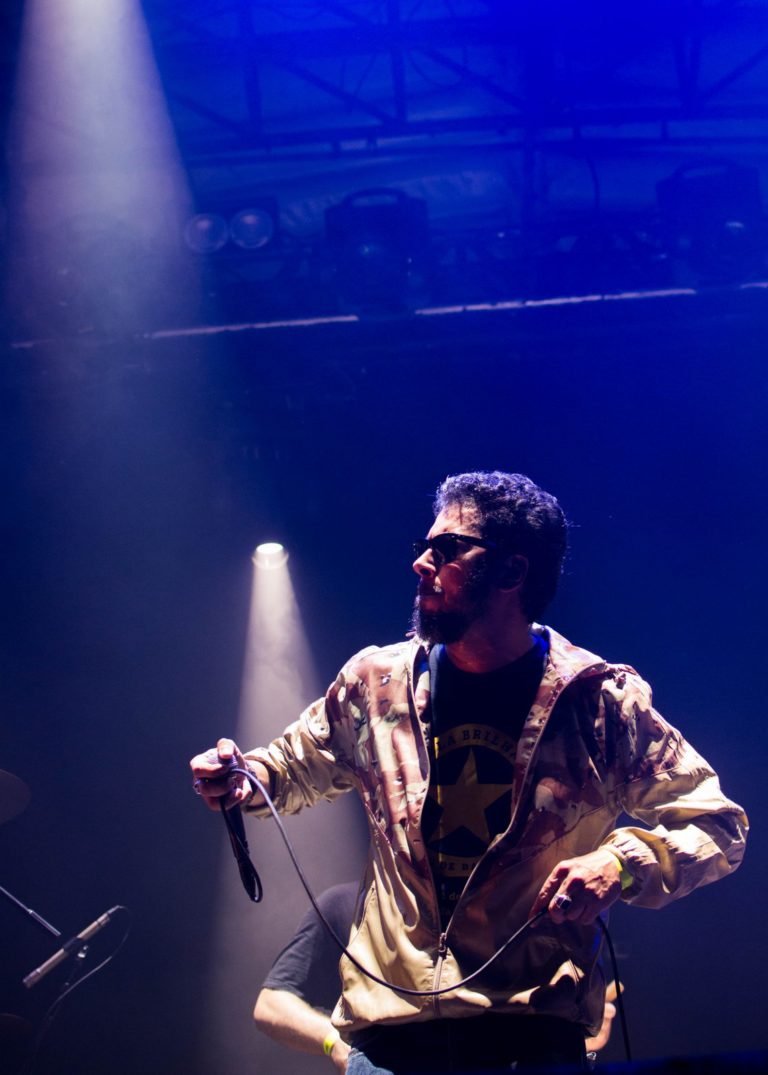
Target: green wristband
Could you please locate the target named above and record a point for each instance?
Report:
(330, 1040)
(625, 877)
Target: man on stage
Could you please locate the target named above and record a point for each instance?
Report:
(493, 758)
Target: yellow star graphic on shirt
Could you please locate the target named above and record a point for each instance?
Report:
(464, 802)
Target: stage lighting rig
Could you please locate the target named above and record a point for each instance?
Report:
(379, 239)
(712, 216)
(234, 229)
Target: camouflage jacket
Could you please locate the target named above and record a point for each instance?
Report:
(591, 748)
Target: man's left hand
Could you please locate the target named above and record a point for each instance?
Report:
(580, 889)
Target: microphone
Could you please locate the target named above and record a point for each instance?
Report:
(67, 949)
(233, 820)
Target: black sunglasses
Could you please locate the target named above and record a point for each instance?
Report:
(445, 547)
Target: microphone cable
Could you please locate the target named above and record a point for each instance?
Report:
(619, 988)
(240, 847)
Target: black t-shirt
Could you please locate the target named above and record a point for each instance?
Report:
(309, 964)
(476, 723)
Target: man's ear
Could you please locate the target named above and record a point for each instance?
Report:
(512, 573)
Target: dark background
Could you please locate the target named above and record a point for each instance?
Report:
(582, 188)
(136, 481)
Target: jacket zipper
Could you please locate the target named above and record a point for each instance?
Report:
(442, 952)
(558, 689)
(442, 944)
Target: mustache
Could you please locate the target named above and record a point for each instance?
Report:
(429, 587)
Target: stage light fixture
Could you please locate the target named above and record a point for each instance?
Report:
(270, 555)
(206, 233)
(380, 240)
(252, 229)
(232, 229)
(712, 215)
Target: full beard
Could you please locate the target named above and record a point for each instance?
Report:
(433, 627)
(447, 627)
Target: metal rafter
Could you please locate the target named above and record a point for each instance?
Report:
(251, 76)
(233, 41)
(396, 61)
(333, 90)
(440, 59)
(735, 74)
(536, 101)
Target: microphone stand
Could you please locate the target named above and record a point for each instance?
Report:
(77, 965)
(30, 913)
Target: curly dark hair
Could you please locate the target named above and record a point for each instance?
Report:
(523, 518)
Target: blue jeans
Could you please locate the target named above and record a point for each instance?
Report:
(359, 1064)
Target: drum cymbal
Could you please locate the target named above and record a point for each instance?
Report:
(14, 796)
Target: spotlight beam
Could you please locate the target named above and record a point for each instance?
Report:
(279, 679)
